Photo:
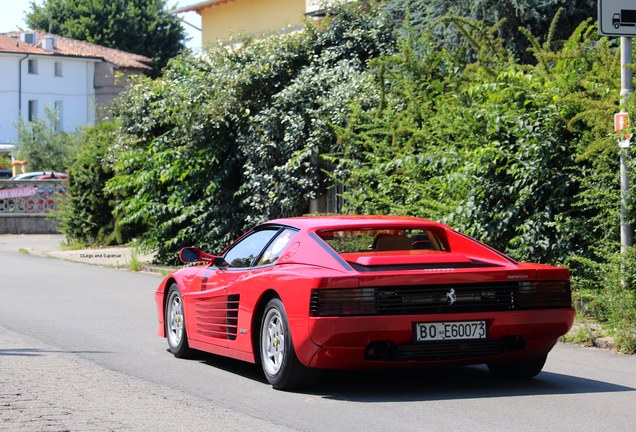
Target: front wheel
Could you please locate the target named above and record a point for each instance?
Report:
(175, 324)
(282, 368)
(519, 369)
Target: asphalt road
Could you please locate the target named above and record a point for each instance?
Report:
(79, 351)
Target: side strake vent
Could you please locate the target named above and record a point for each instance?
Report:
(232, 315)
(218, 317)
(432, 299)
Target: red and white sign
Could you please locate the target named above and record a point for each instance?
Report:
(18, 193)
(621, 123)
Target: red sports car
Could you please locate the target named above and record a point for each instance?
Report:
(349, 292)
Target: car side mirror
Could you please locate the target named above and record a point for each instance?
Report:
(194, 254)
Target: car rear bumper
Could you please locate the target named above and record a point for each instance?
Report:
(388, 341)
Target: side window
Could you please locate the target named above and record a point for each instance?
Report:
(58, 69)
(245, 252)
(32, 66)
(275, 248)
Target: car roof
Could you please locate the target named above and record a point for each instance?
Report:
(30, 174)
(351, 221)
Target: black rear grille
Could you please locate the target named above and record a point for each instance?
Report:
(437, 299)
(443, 350)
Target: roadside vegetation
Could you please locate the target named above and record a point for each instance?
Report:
(504, 133)
(46, 148)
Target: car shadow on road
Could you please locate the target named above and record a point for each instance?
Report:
(435, 383)
(237, 367)
(449, 383)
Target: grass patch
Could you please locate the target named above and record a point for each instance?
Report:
(23, 251)
(72, 245)
(584, 332)
(135, 263)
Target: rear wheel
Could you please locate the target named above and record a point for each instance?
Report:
(519, 369)
(282, 368)
(175, 324)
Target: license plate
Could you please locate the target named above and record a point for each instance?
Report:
(458, 330)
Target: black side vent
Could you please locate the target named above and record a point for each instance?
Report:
(232, 315)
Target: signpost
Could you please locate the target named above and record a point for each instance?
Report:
(618, 18)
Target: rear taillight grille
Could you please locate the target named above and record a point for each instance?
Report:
(431, 299)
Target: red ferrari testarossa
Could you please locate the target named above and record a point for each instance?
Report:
(298, 295)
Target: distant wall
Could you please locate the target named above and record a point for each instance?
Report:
(26, 205)
(242, 17)
(109, 82)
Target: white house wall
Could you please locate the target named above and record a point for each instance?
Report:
(8, 97)
(74, 89)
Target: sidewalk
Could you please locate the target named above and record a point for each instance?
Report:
(48, 245)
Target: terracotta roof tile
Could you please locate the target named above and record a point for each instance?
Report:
(71, 47)
(10, 45)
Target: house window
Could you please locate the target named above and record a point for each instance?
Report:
(58, 111)
(28, 38)
(33, 67)
(33, 110)
(58, 68)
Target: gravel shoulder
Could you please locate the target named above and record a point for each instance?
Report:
(45, 389)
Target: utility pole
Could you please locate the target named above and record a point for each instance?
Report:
(618, 18)
(627, 231)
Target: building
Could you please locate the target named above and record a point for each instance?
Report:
(78, 78)
(223, 19)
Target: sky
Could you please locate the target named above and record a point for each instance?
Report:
(12, 13)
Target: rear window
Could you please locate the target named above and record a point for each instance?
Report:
(380, 240)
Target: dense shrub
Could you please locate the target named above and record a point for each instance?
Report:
(520, 156)
(87, 213)
(232, 137)
(497, 149)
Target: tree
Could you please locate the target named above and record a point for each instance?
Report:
(138, 26)
(42, 146)
(533, 15)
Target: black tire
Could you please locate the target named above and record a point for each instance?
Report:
(174, 321)
(519, 369)
(280, 364)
